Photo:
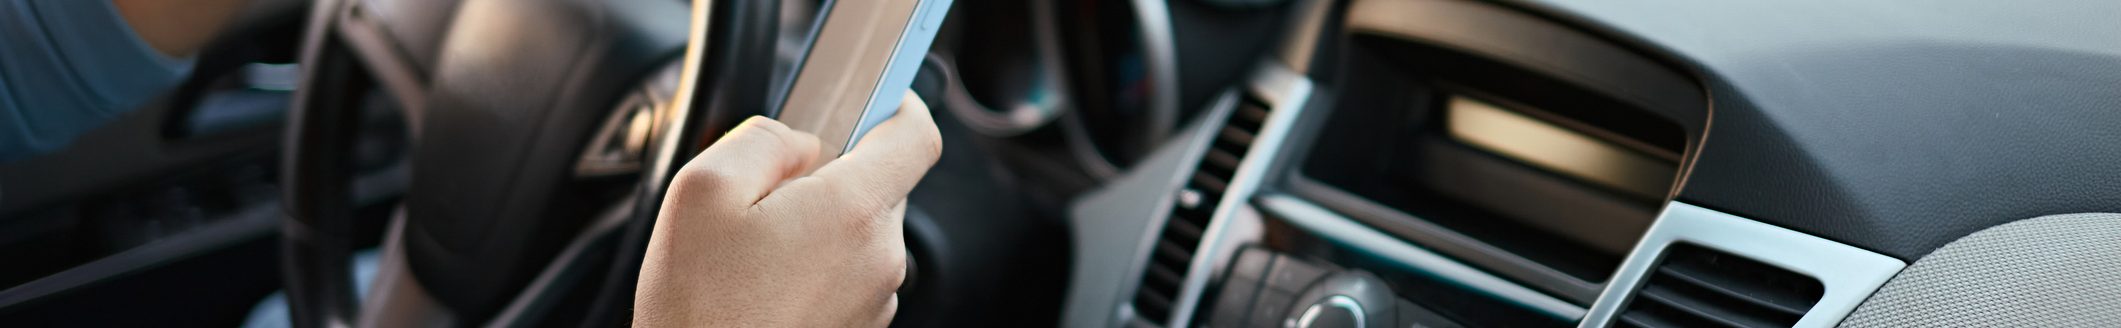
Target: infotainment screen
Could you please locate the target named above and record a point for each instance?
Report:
(1557, 149)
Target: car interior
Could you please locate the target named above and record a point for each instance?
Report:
(1131, 163)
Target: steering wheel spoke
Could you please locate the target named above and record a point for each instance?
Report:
(543, 131)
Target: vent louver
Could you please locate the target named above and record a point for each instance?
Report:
(1698, 287)
(1181, 236)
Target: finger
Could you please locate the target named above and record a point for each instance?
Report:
(883, 167)
(748, 162)
(894, 241)
(885, 313)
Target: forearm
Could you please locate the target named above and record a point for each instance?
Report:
(177, 28)
(70, 66)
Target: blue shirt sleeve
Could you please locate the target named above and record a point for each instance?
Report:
(69, 66)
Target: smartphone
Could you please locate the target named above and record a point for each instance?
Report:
(864, 56)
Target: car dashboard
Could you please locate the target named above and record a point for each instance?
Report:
(1590, 164)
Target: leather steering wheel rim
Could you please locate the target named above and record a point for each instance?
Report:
(722, 83)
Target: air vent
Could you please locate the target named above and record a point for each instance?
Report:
(1698, 287)
(1182, 233)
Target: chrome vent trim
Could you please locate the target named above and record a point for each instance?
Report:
(1252, 139)
(1700, 287)
(1171, 257)
(1848, 274)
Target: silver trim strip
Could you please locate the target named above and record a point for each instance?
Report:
(1339, 229)
(673, 116)
(1850, 274)
(1475, 252)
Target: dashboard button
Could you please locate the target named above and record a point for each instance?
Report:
(1231, 306)
(1271, 309)
(1293, 275)
(1253, 263)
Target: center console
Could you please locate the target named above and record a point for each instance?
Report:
(1264, 288)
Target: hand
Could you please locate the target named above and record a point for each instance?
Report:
(744, 239)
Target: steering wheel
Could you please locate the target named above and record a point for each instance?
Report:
(524, 108)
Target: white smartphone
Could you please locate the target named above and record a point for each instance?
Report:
(864, 57)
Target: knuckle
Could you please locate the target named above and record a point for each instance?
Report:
(931, 144)
(800, 139)
(758, 127)
(694, 179)
(897, 261)
(763, 122)
(891, 268)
